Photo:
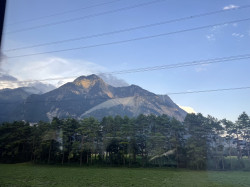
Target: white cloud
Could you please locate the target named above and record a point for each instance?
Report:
(188, 109)
(228, 7)
(8, 81)
(52, 67)
(219, 30)
(210, 37)
(6, 84)
(201, 68)
(46, 66)
(235, 24)
(238, 35)
(218, 27)
(51, 70)
(112, 80)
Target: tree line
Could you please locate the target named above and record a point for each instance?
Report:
(145, 141)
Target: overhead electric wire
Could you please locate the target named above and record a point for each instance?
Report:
(63, 13)
(154, 68)
(126, 30)
(178, 65)
(151, 95)
(206, 91)
(130, 40)
(85, 17)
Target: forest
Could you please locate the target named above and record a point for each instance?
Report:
(197, 143)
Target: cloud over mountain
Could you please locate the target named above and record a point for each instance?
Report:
(112, 80)
(188, 109)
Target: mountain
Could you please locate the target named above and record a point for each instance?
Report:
(91, 96)
(11, 99)
(41, 87)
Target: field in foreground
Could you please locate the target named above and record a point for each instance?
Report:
(39, 175)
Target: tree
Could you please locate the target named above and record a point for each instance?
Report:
(229, 127)
(177, 141)
(15, 142)
(37, 133)
(68, 135)
(127, 134)
(243, 124)
(197, 144)
(141, 130)
(51, 139)
(88, 131)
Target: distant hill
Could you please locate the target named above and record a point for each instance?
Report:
(11, 99)
(87, 96)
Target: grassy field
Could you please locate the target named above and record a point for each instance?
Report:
(41, 175)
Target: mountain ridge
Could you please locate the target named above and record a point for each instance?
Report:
(91, 96)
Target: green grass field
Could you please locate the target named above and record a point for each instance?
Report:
(42, 175)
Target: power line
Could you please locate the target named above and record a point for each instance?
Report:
(179, 65)
(85, 17)
(206, 91)
(130, 40)
(151, 95)
(127, 29)
(63, 13)
(155, 68)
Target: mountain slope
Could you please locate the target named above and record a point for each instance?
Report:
(133, 106)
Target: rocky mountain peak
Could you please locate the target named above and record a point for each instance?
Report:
(88, 82)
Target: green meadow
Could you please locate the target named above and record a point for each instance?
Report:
(48, 175)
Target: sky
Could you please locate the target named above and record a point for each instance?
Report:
(164, 44)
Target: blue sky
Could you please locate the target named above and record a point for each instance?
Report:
(214, 42)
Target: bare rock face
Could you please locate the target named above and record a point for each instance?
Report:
(91, 96)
